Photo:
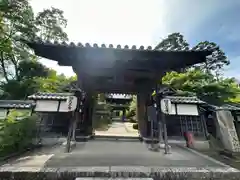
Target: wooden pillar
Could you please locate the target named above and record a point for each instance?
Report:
(70, 130)
(123, 115)
(141, 114)
(75, 122)
(90, 118)
(88, 114)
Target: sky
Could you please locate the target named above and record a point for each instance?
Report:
(146, 22)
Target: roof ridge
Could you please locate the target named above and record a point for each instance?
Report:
(184, 96)
(111, 46)
(12, 100)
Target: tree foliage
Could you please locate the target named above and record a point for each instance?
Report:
(17, 135)
(216, 61)
(174, 41)
(22, 74)
(203, 85)
(202, 80)
(18, 21)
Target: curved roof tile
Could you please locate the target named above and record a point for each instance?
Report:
(16, 104)
(125, 47)
(50, 96)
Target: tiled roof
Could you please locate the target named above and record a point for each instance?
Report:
(118, 96)
(226, 107)
(50, 96)
(16, 104)
(188, 100)
(125, 47)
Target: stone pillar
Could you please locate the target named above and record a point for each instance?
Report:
(227, 131)
(141, 114)
(75, 121)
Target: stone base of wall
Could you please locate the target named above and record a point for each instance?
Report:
(183, 173)
(201, 145)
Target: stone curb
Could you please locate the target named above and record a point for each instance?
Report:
(204, 156)
(108, 137)
(13, 155)
(162, 173)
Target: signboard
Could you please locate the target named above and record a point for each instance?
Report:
(56, 105)
(69, 102)
(72, 103)
(166, 106)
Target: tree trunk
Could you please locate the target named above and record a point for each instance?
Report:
(3, 67)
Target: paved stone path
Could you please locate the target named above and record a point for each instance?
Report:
(115, 156)
(121, 153)
(119, 129)
(111, 153)
(35, 159)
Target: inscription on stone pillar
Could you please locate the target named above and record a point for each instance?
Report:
(227, 131)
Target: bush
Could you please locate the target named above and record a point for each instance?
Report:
(17, 133)
(130, 114)
(135, 126)
(132, 120)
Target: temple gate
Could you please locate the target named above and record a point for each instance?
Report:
(102, 69)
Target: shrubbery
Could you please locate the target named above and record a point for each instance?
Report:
(18, 131)
(135, 126)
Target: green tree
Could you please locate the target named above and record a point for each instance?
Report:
(216, 61)
(50, 24)
(203, 85)
(53, 83)
(28, 72)
(18, 21)
(21, 73)
(202, 80)
(174, 41)
(29, 69)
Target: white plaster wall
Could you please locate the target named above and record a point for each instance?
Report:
(187, 109)
(46, 106)
(173, 110)
(52, 105)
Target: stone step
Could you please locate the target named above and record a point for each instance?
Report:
(117, 173)
(103, 178)
(109, 137)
